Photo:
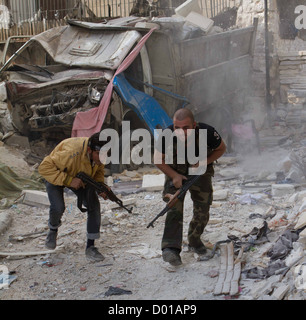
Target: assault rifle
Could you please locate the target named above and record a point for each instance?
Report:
(101, 187)
(180, 193)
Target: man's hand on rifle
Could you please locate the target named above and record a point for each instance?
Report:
(77, 183)
(103, 195)
(177, 180)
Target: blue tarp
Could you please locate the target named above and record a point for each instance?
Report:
(145, 106)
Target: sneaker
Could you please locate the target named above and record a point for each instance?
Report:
(199, 250)
(51, 240)
(172, 256)
(93, 254)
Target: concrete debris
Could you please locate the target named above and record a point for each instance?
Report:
(144, 251)
(280, 292)
(200, 21)
(153, 182)
(281, 190)
(35, 198)
(254, 205)
(301, 221)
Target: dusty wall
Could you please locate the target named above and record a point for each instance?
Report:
(283, 38)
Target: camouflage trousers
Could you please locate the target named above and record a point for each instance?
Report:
(201, 194)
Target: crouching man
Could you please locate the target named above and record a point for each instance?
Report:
(59, 169)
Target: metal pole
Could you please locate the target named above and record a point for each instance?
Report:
(267, 57)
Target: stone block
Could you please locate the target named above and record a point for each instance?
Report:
(17, 140)
(36, 198)
(220, 194)
(152, 182)
(280, 292)
(200, 21)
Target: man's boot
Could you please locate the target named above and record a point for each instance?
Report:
(172, 256)
(51, 240)
(93, 254)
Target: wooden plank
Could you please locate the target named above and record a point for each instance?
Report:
(235, 279)
(17, 255)
(230, 268)
(222, 270)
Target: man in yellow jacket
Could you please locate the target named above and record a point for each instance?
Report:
(59, 169)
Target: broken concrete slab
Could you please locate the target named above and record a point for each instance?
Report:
(152, 182)
(220, 194)
(282, 190)
(280, 292)
(301, 221)
(35, 198)
(18, 140)
(200, 21)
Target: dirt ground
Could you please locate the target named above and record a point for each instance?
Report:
(132, 252)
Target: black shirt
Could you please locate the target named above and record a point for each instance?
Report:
(178, 161)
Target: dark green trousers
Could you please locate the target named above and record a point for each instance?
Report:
(201, 194)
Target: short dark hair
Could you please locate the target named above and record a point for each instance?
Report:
(94, 142)
(182, 114)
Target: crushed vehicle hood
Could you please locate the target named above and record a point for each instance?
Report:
(76, 46)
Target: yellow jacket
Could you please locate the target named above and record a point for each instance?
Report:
(67, 159)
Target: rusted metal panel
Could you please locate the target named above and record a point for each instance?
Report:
(211, 50)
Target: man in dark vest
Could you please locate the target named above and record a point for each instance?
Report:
(201, 192)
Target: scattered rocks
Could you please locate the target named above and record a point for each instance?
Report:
(133, 256)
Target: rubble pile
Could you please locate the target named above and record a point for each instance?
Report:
(255, 207)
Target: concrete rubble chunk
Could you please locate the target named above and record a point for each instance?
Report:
(301, 221)
(220, 194)
(151, 182)
(35, 198)
(280, 292)
(282, 190)
(200, 21)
